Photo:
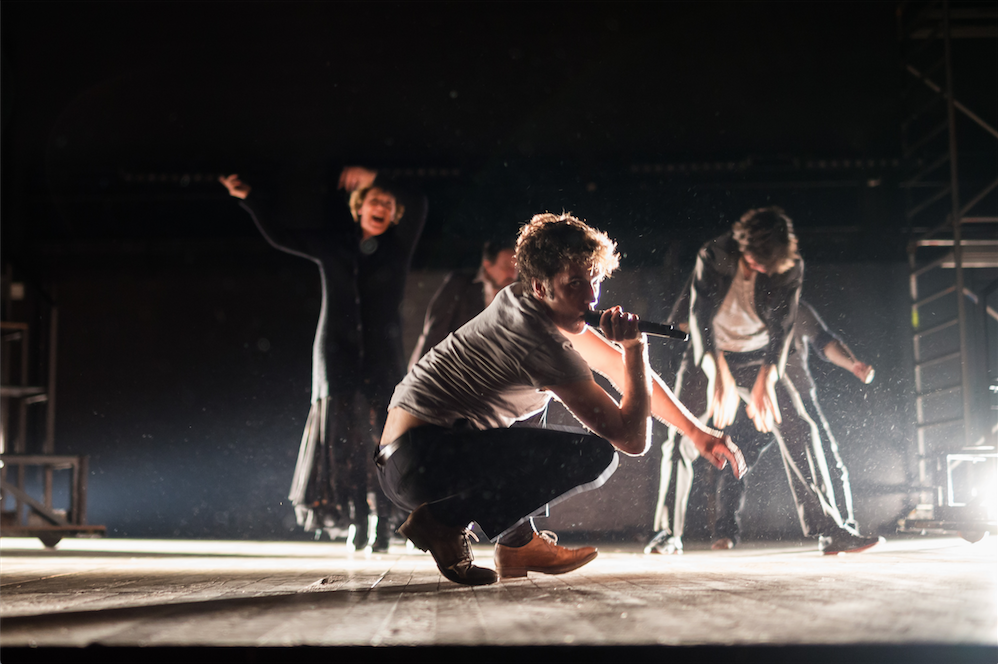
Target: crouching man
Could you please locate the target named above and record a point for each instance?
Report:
(448, 454)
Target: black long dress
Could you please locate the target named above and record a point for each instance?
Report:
(357, 356)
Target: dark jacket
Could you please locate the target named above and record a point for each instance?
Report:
(460, 298)
(776, 299)
(358, 341)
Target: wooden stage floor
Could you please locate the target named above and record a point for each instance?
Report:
(910, 599)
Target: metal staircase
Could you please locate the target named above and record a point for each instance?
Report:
(951, 191)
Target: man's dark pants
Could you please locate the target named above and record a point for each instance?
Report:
(495, 478)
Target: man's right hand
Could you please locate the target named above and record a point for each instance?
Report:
(763, 408)
(236, 187)
(622, 327)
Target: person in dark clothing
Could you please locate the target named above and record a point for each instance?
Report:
(743, 305)
(357, 355)
(464, 294)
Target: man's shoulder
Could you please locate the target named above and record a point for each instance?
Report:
(523, 316)
(458, 285)
(460, 278)
(512, 304)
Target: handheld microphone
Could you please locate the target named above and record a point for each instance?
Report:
(654, 329)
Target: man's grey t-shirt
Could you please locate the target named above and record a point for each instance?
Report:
(493, 370)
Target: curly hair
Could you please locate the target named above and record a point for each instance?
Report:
(548, 243)
(357, 197)
(767, 235)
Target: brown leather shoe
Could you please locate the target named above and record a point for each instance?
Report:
(543, 555)
(723, 544)
(449, 547)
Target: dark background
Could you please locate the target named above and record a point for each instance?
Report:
(185, 340)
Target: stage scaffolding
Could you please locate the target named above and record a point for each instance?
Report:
(952, 218)
(42, 494)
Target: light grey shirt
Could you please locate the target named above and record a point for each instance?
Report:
(493, 370)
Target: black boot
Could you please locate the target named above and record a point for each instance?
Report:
(382, 536)
(360, 534)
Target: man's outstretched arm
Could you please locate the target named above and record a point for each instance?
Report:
(840, 355)
(605, 358)
(828, 346)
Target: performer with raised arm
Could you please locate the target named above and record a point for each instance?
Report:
(357, 355)
(447, 453)
(742, 308)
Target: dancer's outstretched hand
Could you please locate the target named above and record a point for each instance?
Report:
(719, 450)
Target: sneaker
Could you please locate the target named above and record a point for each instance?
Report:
(723, 544)
(542, 555)
(846, 541)
(665, 544)
(449, 547)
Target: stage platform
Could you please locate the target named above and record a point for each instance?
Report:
(911, 599)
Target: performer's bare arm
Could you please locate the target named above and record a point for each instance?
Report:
(810, 327)
(626, 425)
(605, 358)
(840, 355)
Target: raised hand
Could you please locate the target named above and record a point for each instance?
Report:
(356, 177)
(236, 187)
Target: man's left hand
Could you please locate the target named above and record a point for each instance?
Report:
(719, 450)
